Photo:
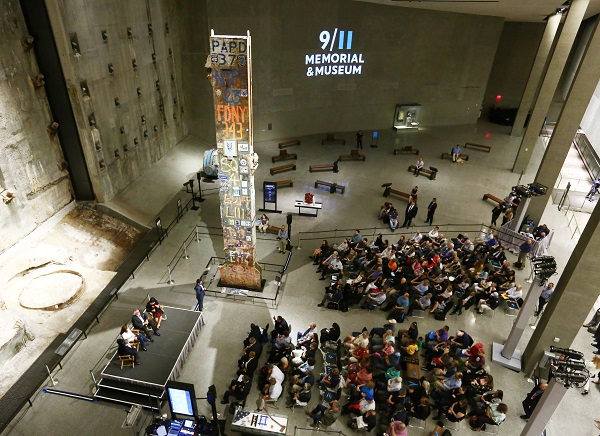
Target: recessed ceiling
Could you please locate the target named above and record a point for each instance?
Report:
(511, 10)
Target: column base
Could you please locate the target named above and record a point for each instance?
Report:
(514, 363)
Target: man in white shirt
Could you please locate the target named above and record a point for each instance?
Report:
(274, 391)
(307, 335)
(366, 404)
(277, 374)
(434, 233)
(416, 237)
(515, 292)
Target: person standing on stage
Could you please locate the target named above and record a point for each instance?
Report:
(200, 293)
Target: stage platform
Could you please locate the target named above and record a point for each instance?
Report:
(145, 384)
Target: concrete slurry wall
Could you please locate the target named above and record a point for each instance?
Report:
(437, 59)
(113, 58)
(512, 64)
(31, 161)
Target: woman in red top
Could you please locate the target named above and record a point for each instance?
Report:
(155, 310)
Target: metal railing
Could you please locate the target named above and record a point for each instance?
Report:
(195, 236)
(588, 154)
(253, 297)
(308, 239)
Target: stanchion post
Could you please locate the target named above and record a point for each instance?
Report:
(199, 177)
(171, 281)
(185, 255)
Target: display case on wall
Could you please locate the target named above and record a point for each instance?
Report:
(406, 116)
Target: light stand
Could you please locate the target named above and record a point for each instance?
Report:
(507, 354)
(570, 371)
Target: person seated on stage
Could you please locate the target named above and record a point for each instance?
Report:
(306, 337)
(156, 311)
(131, 339)
(141, 322)
(125, 349)
(239, 388)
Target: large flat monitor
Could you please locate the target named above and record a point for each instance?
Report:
(182, 400)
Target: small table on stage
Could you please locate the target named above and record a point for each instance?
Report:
(315, 206)
(245, 421)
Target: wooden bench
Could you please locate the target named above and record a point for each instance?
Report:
(282, 183)
(284, 155)
(354, 155)
(289, 143)
(481, 147)
(389, 190)
(330, 185)
(463, 156)
(408, 150)
(493, 198)
(271, 229)
(328, 167)
(330, 139)
(288, 167)
(424, 171)
(497, 199)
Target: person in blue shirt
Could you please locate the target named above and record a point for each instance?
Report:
(200, 293)
(455, 153)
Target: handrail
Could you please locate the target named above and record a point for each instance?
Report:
(266, 267)
(338, 234)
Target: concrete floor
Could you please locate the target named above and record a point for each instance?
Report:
(458, 188)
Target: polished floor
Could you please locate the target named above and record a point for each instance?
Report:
(458, 188)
